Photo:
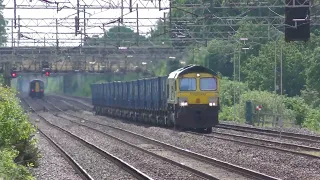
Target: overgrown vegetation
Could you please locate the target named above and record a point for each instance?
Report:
(3, 24)
(18, 150)
(296, 110)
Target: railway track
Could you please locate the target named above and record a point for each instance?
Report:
(273, 133)
(82, 173)
(287, 135)
(119, 162)
(302, 150)
(275, 145)
(224, 169)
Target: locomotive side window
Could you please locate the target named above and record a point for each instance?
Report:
(188, 84)
(208, 84)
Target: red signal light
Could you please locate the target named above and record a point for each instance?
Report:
(258, 108)
(13, 74)
(47, 73)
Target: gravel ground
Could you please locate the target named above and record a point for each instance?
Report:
(95, 164)
(217, 172)
(36, 105)
(278, 164)
(266, 137)
(52, 165)
(62, 104)
(155, 168)
(83, 103)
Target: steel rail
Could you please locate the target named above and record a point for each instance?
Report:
(193, 171)
(294, 146)
(215, 162)
(77, 167)
(307, 148)
(119, 162)
(293, 136)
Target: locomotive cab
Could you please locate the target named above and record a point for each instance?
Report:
(36, 88)
(194, 97)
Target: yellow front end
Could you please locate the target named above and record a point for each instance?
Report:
(37, 87)
(197, 89)
(197, 102)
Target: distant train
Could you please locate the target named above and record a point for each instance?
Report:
(36, 89)
(187, 98)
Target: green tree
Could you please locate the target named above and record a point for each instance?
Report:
(311, 97)
(221, 56)
(160, 34)
(1, 79)
(173, 65)
(313, 120)
(228, 89)
(117, 36)
(313, 72)
(121, 36)
(259, 70)
(3, 24)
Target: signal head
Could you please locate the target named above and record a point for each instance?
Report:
(13, 74)
(47, 73)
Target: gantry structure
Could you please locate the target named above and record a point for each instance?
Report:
(89, 35)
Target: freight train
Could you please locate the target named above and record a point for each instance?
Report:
(187, 98)
(36, 88)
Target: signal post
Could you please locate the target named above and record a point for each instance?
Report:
(7, 74)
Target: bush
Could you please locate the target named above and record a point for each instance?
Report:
(311, 97)
(1, 79)
(271, 104)
(229, 113)
(16, 131)
(9, 169)
(312, 120)
(227, 88)
(300, 108)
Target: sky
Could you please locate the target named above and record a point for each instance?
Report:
(39, 24)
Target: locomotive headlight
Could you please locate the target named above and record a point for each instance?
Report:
(183, 101)
(213, 101)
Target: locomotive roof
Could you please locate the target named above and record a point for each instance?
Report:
(190, 69)
(187, 69)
